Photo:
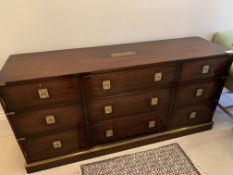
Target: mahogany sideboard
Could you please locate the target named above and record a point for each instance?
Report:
(69, 105)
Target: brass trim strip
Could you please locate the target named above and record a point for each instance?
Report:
(230, 52)
(21, 139)
(119, 54)
(10, 113)
(99, 148)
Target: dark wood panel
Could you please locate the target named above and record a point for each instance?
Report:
(187, 94)
(129, 80)
(127, 127)
(129, 105)
(74, 61)
(47, 120)
(214, 67)
(192, 115)
(40, 148)
(26, 95)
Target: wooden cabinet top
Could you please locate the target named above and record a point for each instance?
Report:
(74, 61)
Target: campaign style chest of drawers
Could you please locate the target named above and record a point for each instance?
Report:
(69, 105)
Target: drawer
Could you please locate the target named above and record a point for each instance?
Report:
(107, 84)
(41, 93)
(106, 109)
(47, 120)
(128, 127)
(197, 92)
(192, 115)
(40, 148)
(205, 68)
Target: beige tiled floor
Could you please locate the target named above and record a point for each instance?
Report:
(211, 151)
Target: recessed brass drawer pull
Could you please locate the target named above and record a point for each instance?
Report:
(109, 133)
(57, 144)
(50, 119)
(152, 124)
(199, 92)
(192, 115)
(205, 69)
(108, 109)
(158, 76)
(43, 93)
(154, 101)
(106, 84)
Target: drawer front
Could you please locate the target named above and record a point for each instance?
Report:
(127, 127)
(107, 84)
(192, 115)
(40, 93)
(106, 109)
(40, 148)
(47, 120)
(204, 68)
(197, 92)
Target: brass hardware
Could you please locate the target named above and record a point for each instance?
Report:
(2, 83)
(50, 119)
(43, 93)
(10, 113)
(205, 69)
(56, 144)
(108, 109)
(158, 76)
(154, 101)
(21, 139)
(119, 54)
(199, 92)
(152, 124)
(192, 115)
(109, 133)
(3, 103)
(230, 52)
(106, 84)
(114, 145)
(25, 153)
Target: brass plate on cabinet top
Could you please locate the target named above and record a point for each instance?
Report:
(43, 93)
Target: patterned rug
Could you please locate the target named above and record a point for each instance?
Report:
(166, 160)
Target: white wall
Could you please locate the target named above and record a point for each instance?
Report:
(40, 25)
